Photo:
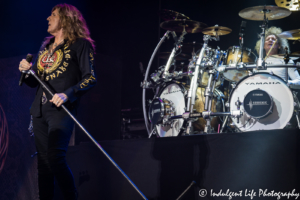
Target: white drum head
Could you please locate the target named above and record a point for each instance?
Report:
(283, 102)
(175, 94)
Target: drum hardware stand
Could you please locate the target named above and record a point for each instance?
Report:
(171, 58)
(166, 35)
(192, 183)
(88, 134)
(260, 61)
(286, 60)
(298, 107)
(194, 82)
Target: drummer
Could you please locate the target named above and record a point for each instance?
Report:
(278, 48)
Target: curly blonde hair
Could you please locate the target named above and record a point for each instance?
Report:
(282, 42)
(72, 23)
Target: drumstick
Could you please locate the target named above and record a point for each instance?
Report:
(270, 49)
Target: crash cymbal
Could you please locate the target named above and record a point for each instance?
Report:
(291, 5)
(166, 55)
(256, 13)
(168, 15)
(177, 26)
(216, 30)
(290, 35)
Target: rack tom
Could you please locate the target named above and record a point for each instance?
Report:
(234, 57)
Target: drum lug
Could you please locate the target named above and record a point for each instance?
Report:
(233, 85)
(250, 73)
(249, 53)
(227, 104)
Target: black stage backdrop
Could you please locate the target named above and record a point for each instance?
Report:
(126, 33)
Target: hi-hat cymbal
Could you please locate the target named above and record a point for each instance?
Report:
(168, 15)
(166, 55)
(290, 35)
(291, 5)
(216, 30)
(178, 25)
(256, 13)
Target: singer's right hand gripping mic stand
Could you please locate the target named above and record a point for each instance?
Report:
(85, 131)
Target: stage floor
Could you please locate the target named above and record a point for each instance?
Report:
(162, 168)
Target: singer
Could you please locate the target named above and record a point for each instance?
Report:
(65, 64)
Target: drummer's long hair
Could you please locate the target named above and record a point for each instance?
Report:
(282, 42)
(72, 23)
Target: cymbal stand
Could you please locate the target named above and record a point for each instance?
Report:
(177, 46)
(260, 61)
(146, 84)
(194, 82)
(213, 77)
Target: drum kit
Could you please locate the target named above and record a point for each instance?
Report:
(191, 102)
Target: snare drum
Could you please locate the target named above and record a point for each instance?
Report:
(233, 57)
(265, 100)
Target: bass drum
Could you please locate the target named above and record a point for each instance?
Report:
(266, 102)
(172, 101)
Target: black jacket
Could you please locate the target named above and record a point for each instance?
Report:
(70, 70)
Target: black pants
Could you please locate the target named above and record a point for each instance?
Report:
(52, 135)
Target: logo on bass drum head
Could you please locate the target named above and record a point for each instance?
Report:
(258, 103)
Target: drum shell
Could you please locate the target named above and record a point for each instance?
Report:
(216, 106)
(283, 102)
(233, 57)
(180, 102)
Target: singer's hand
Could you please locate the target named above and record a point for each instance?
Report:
(59, 98)
(24, 65)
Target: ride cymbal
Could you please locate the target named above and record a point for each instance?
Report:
(216, 30)
(291, 5)
(168, 15)
(256, 13)
(290, 35)
(179, 25)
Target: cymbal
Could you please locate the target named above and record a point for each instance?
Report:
(177, 26)
(290, 35)
(292, 6)
(256, 13)
(168, 15)
(166, 55)
(216, 30)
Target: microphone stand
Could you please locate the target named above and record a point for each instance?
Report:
(87, 133)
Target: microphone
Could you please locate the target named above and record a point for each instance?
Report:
(23, 74)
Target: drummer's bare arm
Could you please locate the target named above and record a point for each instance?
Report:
(294, 75)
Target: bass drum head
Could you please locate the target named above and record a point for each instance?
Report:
(281, 97)
(174, 93)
